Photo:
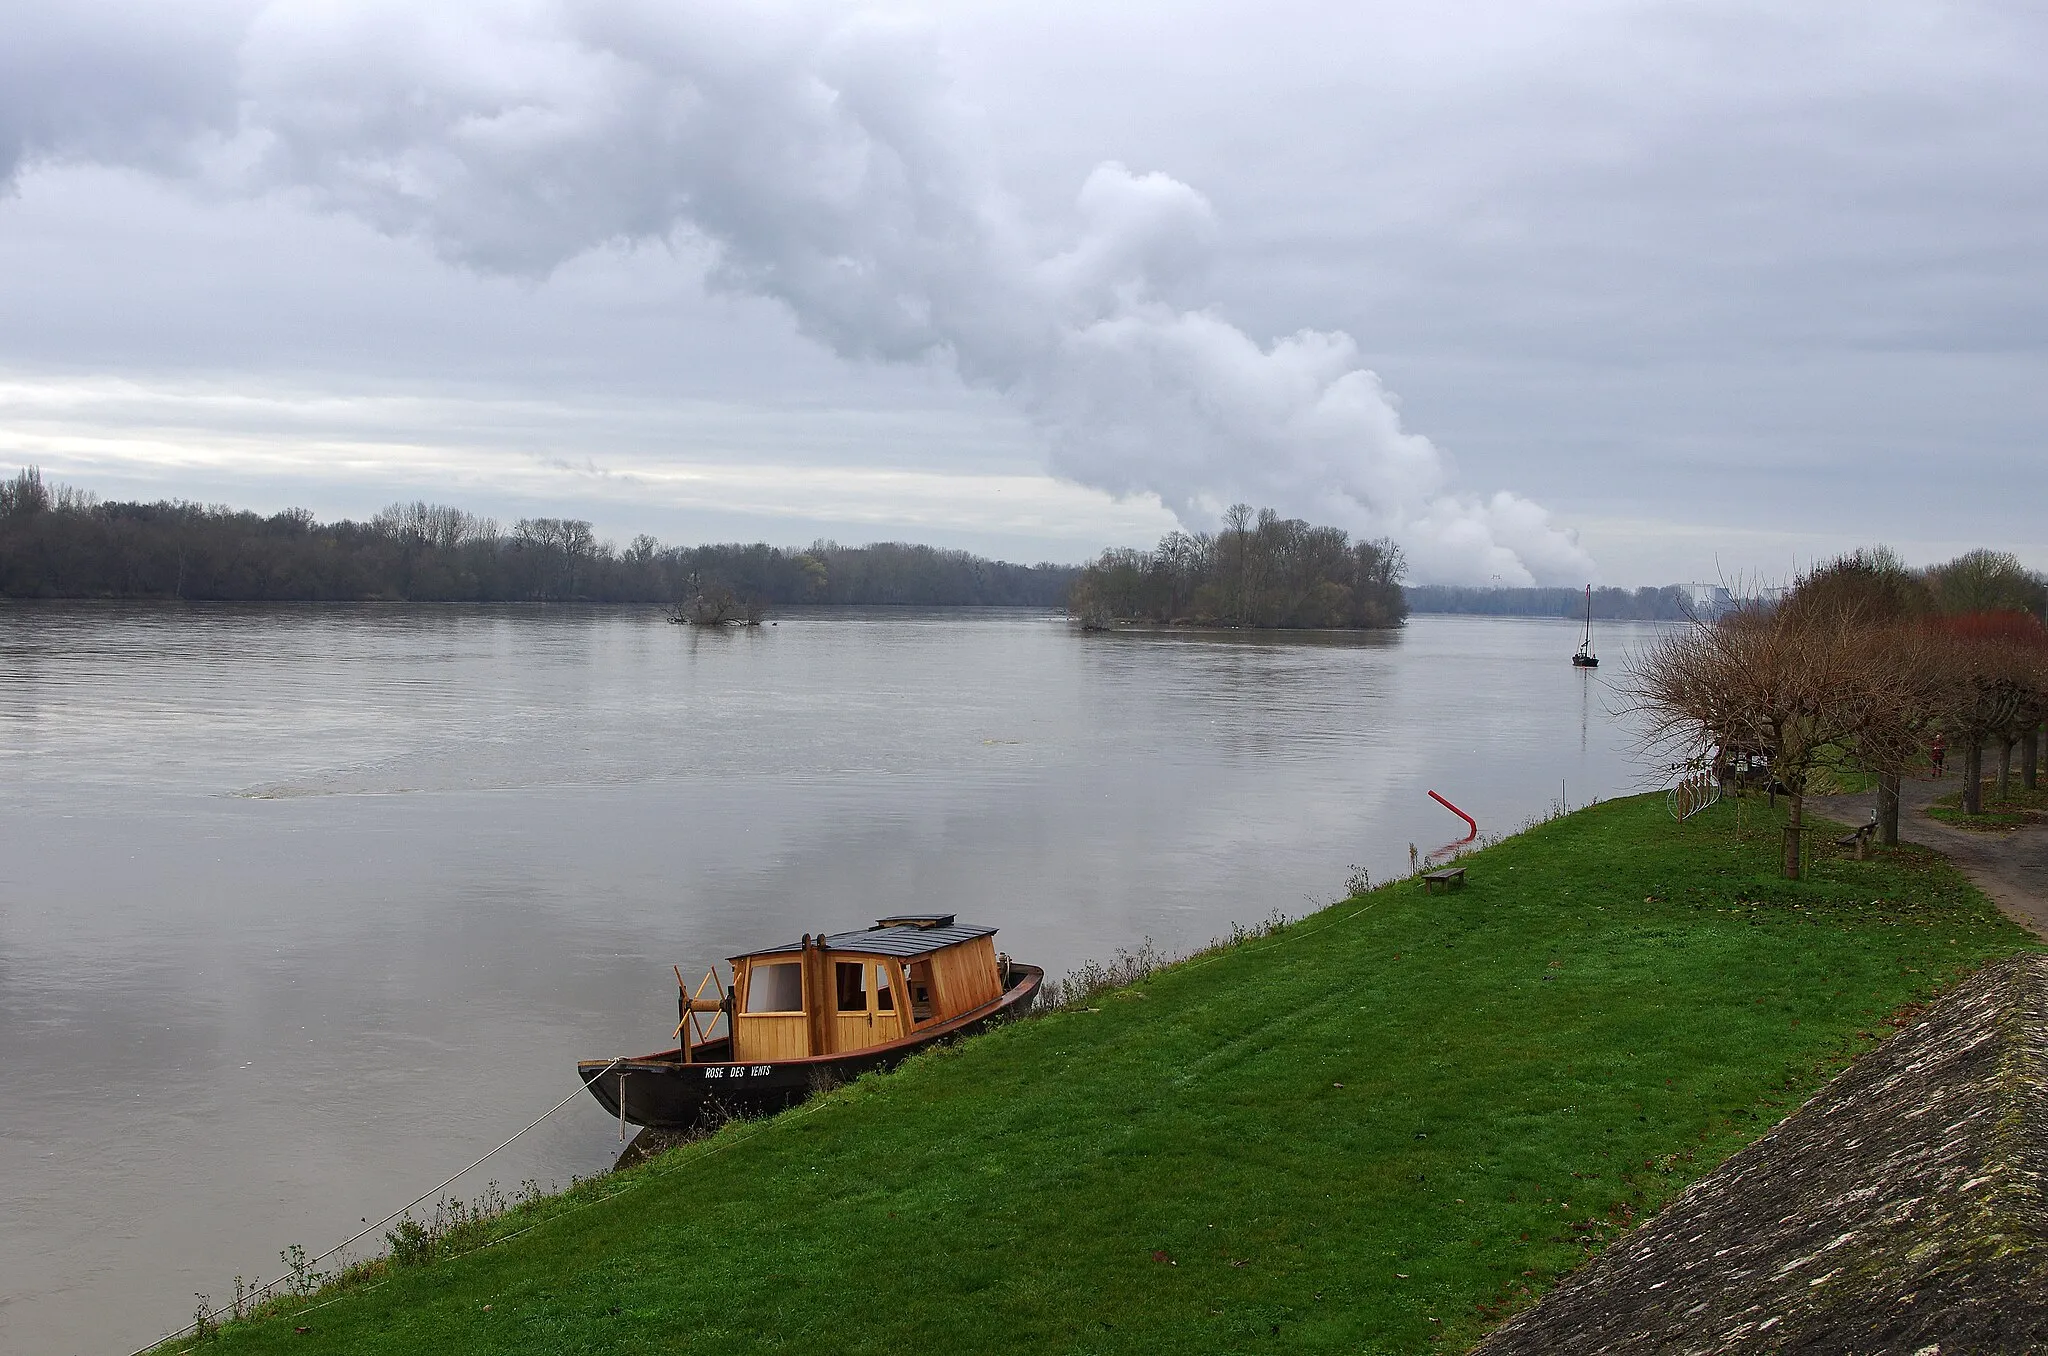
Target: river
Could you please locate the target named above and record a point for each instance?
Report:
(302, 908)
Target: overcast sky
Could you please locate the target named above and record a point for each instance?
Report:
(1629, 292)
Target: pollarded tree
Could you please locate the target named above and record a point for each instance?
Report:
(1890, 705)
(1781, 683)
(1996, 674)
(1898, 697)
(1985, 582)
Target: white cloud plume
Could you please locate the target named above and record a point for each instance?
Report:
(823, 161)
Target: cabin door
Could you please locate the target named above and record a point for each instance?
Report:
(864, 1005)
(853, 1019)
(888, 1025)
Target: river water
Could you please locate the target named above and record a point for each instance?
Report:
(303, 908)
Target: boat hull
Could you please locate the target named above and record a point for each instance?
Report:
(662, 1092)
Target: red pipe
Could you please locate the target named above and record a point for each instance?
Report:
(1460, 814)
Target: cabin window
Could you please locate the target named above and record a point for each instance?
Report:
(885, 997)
(776, 988)
(852, 985)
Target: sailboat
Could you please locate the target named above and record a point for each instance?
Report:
(1585, 658)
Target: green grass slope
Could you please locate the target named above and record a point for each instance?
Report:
(1380, 1129)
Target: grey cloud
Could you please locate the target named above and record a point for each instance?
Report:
(1697, 263)
(826, 164)
(136, 83)
(1725, 262)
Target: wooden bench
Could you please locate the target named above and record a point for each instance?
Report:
(1445, 876)
(1859, 838)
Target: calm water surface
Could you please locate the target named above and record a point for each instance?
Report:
(301, 909)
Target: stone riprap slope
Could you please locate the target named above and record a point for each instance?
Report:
(1900, 1210)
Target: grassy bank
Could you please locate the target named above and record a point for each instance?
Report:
(2019, 807)
(1379, 1129)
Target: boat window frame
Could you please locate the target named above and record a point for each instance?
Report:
(933, 1010)
(753, 968)
(859, 967)
(885, 987)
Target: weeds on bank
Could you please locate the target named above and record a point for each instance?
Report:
(1132, 966)
(455, 1226)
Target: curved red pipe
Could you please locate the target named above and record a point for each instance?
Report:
(1460, 814)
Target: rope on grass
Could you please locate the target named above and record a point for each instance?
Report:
(251, 1297)
(655, 1173)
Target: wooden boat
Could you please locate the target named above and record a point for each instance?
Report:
(1585, 658)
(815, 1013)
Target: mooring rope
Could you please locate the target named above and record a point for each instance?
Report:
(306, 1267)
(1190, 963)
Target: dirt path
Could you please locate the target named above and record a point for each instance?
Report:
(2011, 867)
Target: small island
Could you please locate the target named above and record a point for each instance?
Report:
(1258, 570)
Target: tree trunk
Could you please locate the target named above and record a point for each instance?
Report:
(2004, 770)
(1888, 808)
(1973, 778)
(1794, 805)
(2030, 759)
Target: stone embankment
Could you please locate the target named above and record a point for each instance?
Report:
(1901, 1210)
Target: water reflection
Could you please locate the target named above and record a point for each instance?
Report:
(302, 908)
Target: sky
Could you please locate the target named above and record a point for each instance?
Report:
(1628, 293)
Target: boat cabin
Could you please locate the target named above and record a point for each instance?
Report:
(851, 990)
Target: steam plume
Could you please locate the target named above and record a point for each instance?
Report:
(819, 159)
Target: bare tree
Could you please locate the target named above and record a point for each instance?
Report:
(1899, 690)
(1996, 675)
(719, 604)
(1890, 706)
(1779, 684)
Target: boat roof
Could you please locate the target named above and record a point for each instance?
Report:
(891, 938)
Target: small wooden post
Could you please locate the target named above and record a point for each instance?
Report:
(683, 1013)
(818, 991)
(622, 1106)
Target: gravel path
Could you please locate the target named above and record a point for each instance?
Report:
(2011, 867)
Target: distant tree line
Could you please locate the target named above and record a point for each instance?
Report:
(1669, 603)
(1257, 570)
(58, 542)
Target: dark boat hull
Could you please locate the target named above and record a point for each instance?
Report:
(664, 1093)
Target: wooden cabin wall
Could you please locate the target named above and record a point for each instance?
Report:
(966, 976)
(963, 978)
(764, 1037)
